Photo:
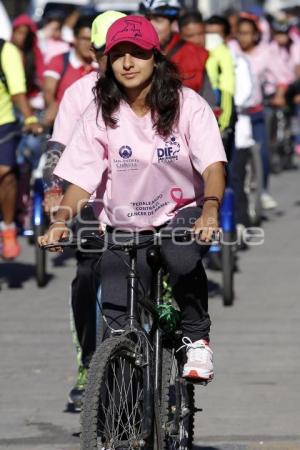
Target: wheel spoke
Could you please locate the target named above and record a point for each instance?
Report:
(120, 410)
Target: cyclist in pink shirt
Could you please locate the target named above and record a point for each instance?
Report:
(85, 285)
(156, 148)
(272, 81)
(288, 50)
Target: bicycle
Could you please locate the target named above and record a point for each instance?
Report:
(222, 256)
(254, 185)
(39, 222)
(280, 139)
(135, 396)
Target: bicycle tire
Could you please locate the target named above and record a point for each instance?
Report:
(107, 422)
(228, 269)
(254, 186)
(276, 164)
(177, 405)
(40, 259)
(275, 147)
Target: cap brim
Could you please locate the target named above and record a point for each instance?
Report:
(138, 42)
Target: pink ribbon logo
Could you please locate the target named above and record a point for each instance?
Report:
(176, 194)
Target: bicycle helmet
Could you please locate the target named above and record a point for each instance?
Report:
(101, 25)
(165, 8)
(280, 26)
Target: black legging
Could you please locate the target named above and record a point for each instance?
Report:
(84, 291)
(187, 278)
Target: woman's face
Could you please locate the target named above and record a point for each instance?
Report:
(163, 28)
(247, 36)
(195, 33)
(53, 30)
(19, 36)
(82, 44)
(132, 66)
(282, 39)
(233, 20)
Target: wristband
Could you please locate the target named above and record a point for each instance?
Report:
(211, 198)
(56, 190)
(30, 120)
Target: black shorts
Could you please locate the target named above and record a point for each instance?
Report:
(9, 140)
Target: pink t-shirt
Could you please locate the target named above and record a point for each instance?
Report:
(267, 67)
(148, 178)
(75, 101)
(290, 59)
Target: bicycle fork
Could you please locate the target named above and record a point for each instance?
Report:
(151, 363)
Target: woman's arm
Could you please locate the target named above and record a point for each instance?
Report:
(72, 203)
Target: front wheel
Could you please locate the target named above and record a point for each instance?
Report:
(228, 263)
(40, 258)
(116, 411)
(254, 185)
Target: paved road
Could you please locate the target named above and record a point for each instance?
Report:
(253, 402)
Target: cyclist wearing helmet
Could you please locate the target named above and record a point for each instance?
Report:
(189, 58)
(84, 286)
(75, 100)
(289, 51)
(155, 146)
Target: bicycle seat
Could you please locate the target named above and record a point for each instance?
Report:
(154, 257)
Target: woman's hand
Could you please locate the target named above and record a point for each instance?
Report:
(208, 222)
(57, 231)
(278, 100)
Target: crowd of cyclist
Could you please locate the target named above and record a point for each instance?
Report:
(238, 61)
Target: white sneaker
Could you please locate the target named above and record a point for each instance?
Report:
(267, 201)
(199, 365)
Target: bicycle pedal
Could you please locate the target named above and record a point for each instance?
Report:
(72, 408)
(196, 410)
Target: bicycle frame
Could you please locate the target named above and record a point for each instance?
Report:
(151, 396)
(147, 348)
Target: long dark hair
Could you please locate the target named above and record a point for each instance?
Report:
(30, 61)
(162, 99)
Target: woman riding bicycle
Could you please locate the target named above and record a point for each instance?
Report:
(154, 148)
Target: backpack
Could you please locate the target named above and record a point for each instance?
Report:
(2, 74)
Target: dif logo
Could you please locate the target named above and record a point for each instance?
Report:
(167, 154)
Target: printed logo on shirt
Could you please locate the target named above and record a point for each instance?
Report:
(125, 152)
(169, 154)
(177, 196)
(148, 207)
(127, 162)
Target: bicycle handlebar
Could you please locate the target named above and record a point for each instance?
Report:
(95, 241)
